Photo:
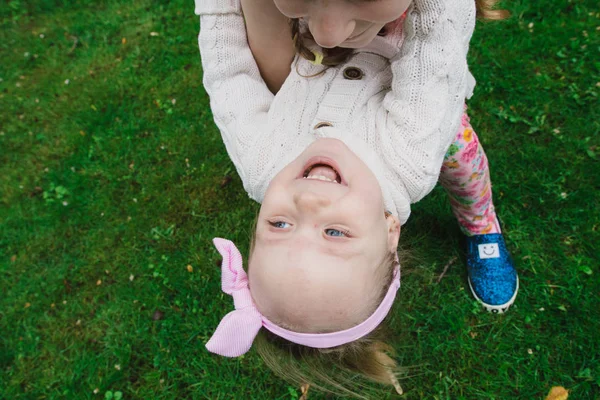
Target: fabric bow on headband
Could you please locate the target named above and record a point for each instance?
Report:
(237, 330)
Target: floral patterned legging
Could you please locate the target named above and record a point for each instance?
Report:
(465, 175)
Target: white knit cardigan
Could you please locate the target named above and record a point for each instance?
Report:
(400, 117)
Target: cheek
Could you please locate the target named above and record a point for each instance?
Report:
(368, 204)
(275, 199)
(291, 8)
(374, 197)
(384, 11)
(256, 290)
(372, 192)
(279, 183)
(366, 190)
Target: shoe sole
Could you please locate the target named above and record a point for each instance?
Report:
(499, 309)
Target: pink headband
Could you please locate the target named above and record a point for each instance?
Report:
(237, 330)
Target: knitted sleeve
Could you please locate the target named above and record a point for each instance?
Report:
(239, 98)
(430, 83)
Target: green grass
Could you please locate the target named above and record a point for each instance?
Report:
(114, 183)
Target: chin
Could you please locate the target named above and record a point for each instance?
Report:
(352, 46)
(356, 45)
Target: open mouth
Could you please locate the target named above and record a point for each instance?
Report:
(322, 169)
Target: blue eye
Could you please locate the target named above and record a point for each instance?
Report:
(279, 224)
(336, 233)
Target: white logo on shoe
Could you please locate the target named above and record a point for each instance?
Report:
(489, 250)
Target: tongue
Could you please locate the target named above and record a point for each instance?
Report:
(325, 171)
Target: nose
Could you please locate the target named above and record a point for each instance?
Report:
(330, 28)
(310, 201)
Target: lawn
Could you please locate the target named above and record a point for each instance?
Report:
(114, 179)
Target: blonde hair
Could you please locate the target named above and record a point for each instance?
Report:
(335, 370)
(338, 55)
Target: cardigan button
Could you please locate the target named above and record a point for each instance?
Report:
(322, 125)
(353, 73)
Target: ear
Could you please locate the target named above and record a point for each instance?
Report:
(393, 232)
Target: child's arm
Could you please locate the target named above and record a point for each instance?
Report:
(430, 83)
(239, 98)
(270, 39)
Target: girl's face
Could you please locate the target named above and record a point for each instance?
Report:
(321, 239)
(344, 23)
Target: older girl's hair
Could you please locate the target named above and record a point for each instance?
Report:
(338, 55)
(335, 370)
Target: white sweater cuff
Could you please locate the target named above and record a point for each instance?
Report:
(218, 7)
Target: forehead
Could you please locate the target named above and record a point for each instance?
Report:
(308, 288)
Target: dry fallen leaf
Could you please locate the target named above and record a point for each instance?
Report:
(225, 181)
(558, 393)
(158, 315)
(304, 390)
(396, 384)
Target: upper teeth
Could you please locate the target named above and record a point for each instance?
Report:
(319, 177)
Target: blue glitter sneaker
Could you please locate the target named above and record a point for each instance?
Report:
(492, 275)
